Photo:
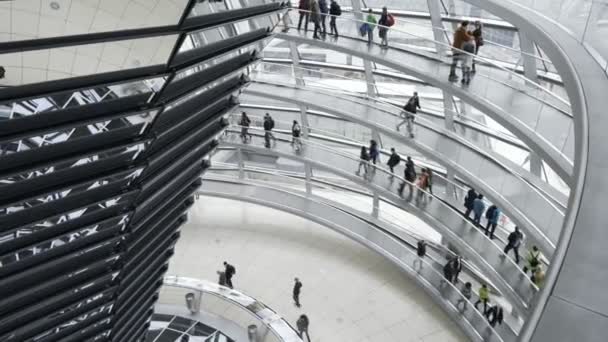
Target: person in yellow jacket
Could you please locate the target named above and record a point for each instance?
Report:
(484, 297)
(532, 260)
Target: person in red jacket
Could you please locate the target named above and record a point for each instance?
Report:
(304, 7)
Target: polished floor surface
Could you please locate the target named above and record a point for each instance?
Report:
(349, 292)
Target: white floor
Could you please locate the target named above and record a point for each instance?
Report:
(350, 293)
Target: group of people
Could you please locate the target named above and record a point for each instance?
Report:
(268, 123)
(317, 11)
(465, 44)
(475, 204)
(225, 279)
(384, 23)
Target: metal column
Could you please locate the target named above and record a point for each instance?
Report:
(448, 110)
(376, 205)
(536, 164)
(438, 32)
(528, 56)
(367, 65)
(305, 133)
(241, 163)
(295, 59)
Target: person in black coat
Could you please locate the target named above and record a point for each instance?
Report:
(409, 113)
(297, 287)
(513, 242)
(229, 271)
(468, 202)
(334, 11)
(393, 160)
(456, 269)
(364, 156)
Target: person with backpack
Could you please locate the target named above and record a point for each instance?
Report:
(324, 11)
(467, 59)
(513, 242)
(364, 160)
(302, 324)
(304, 7)
(410, 176)
(393, 160)
(484, 297)
(386, 21)
(533, 260)
(296, 130)
(371, 24)
(492, 215)
(409, 114)
(229, 271)
(478, 36)
(448, 271)
(460, 37)
(334, 11)
(268, 126)
(468, 202)
(467, 293)
(456, 268)
(421, 252)
(495, 315)
(245, 122)
(478, 207)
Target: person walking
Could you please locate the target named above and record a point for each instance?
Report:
(304, 7)
(422, 184)
(484, 297)
(467, 293)
(302, 324)
(393, 161)
(297, 288)
(410, 176)
(268, 126)
(296, 130)
(421, 252)
(245, 122)
(383, 25)
(460, 36)
(230, 271)
(533, 260)
(492, 215)
(334, 11)
(315, 17)
(478, 207)
(456, 268)
(513, 242)
(324, 11)
(371, 24)
(495, 315)
(478, 36)
(409, 114)
(374, 151)
(364, 160)
(467, 59)
(430, 181)
(448, 271)
(468, 202)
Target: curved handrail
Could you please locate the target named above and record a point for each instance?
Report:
(487, 41)
(460, 51)
(427, 276)
(379, 173)
(375, 98)
(265, 315)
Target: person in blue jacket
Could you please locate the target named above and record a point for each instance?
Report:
(493, 215)
(324, 11)
(478, 208)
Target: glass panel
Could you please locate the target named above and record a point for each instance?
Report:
(60, 63)
(25, 20)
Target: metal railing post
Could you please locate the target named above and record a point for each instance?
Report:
(376, 205)
(527, 56)
(448, 110)
(241, 163)
(435, 13)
